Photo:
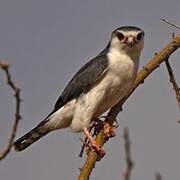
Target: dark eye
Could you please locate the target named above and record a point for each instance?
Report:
(139, 36)
(120, 36)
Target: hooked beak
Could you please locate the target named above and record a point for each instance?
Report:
(130, 41)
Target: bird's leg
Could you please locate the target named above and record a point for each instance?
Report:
(93, 143)
(86, 142)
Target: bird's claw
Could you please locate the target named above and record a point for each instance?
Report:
(95, 148)
(109, 130)
(100, 154)
(99, 150)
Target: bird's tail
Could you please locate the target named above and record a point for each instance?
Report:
(32, 136)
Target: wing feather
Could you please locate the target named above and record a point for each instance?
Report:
(88, 75)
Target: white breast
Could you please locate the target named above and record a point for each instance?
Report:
(117, 82)
(122, 66)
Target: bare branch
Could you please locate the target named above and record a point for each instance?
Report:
(173, 81)
(127, 148)
(5, 66)
(171, 23)
(142, 75)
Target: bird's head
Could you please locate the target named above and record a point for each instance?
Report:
(129, 39)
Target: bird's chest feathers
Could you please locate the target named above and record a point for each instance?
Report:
(121, 67)
(118, 80)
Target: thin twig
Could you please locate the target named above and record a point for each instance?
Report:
(142, 75)
(127, 148)
(5, 66)
(171, 23)
(173, 81)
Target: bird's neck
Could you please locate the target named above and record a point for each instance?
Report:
(133, 55)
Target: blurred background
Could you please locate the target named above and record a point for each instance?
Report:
(46, 42)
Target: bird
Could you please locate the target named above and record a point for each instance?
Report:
(98, 85)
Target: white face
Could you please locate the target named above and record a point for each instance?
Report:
(128, 41)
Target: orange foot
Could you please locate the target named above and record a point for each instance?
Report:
(108, 130)
(99, 150)
(95, 147)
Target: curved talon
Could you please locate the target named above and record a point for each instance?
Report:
(100, 151)
(96, 148)
(100, 154)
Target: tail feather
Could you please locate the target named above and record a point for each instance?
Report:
(31, 137)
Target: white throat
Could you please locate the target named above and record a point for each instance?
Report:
(133, 55)
(122, 64)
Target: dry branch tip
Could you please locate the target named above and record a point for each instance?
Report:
(6, 150)
(171, 23)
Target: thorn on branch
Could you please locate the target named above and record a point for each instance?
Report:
(145, 68)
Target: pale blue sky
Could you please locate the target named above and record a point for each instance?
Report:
(46, 42)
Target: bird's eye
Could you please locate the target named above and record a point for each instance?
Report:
(139, 36)
(120, 36)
